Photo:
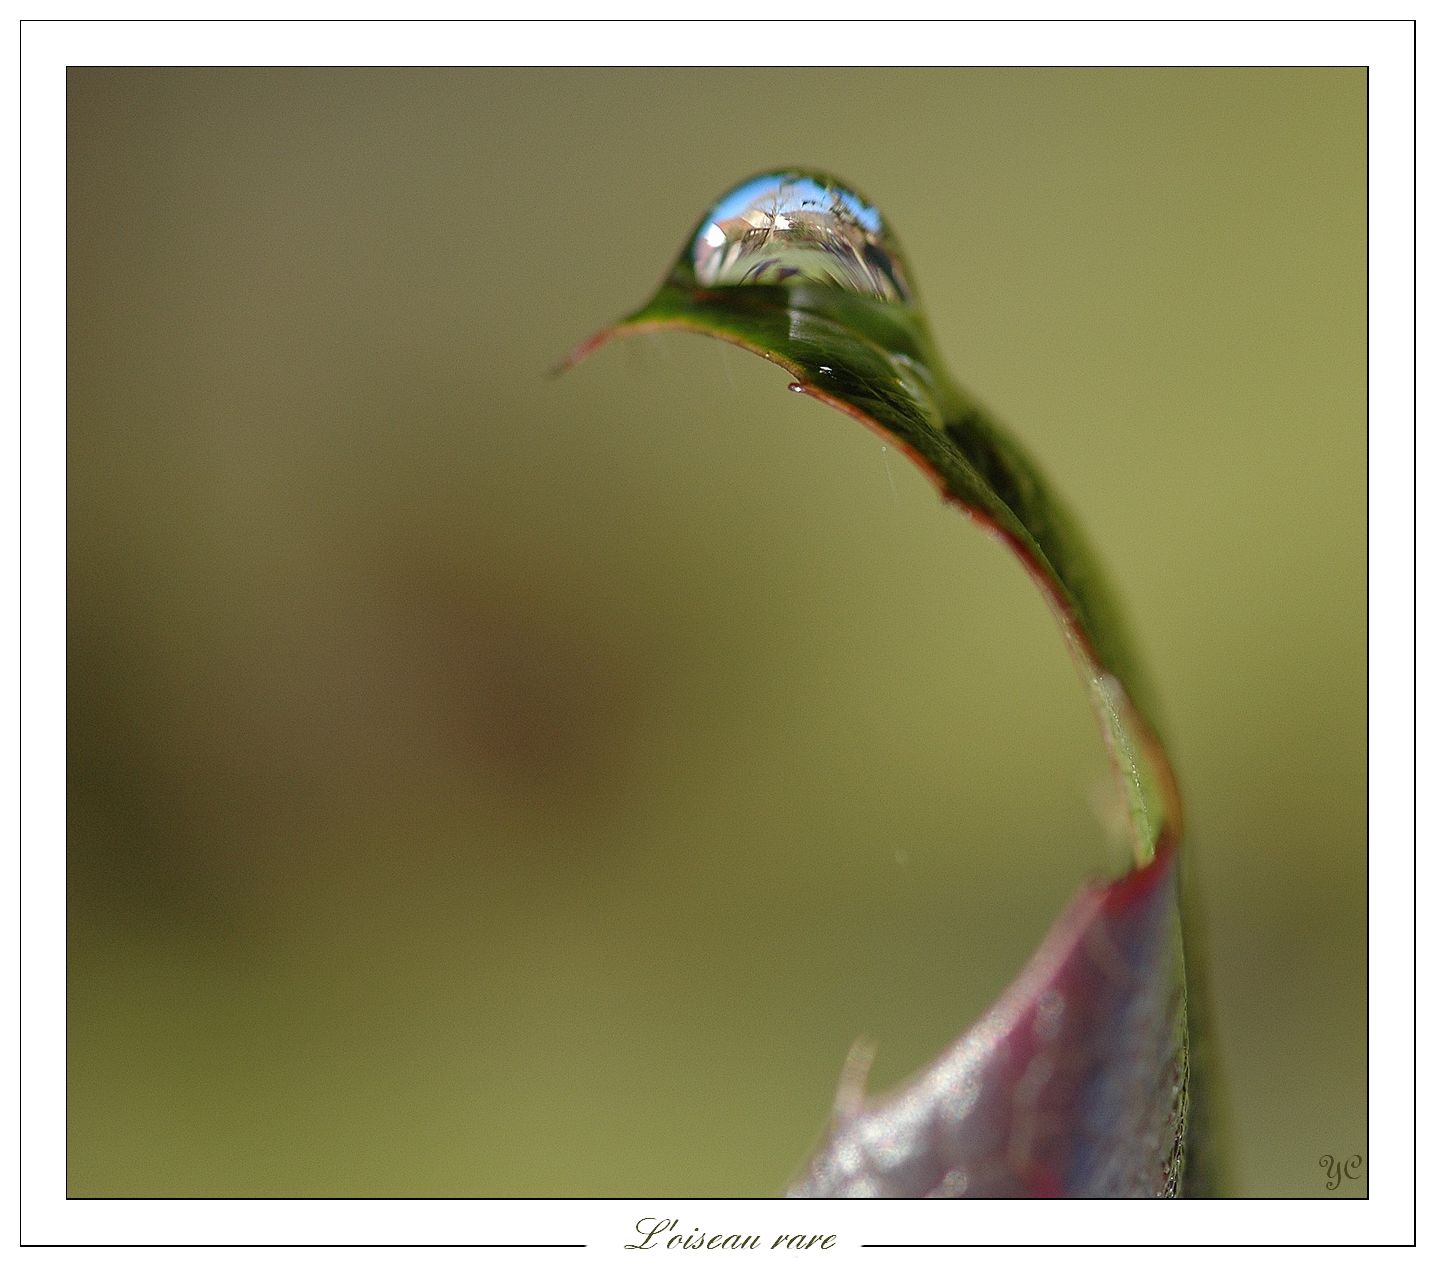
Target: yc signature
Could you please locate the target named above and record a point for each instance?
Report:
(1337, 1170)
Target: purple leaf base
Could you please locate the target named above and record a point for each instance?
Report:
(1074, 1084)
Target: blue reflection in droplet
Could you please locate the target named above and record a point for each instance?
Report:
(787, 227)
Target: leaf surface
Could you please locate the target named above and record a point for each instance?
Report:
(1075, 1081)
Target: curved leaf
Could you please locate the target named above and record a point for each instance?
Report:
(1074, 1084)
(1075, 1081)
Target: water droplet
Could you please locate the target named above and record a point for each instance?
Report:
(788, 227)
(1047, 1022)
(796, 387)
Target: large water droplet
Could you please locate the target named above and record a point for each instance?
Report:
(789, 227)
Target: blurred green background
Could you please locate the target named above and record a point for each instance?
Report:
(488, 784)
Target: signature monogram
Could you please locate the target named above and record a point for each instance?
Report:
(1336, 1170)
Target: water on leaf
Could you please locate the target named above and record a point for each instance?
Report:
(790, 226)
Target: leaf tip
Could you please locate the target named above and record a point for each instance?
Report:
(583, 351)
(852, 1090)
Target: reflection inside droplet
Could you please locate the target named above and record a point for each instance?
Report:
(788, 227)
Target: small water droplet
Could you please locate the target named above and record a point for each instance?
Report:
(1047, 1021)
(796, 387)
(787, 227)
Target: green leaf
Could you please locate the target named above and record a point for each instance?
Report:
(863, 346)
(798, 268)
